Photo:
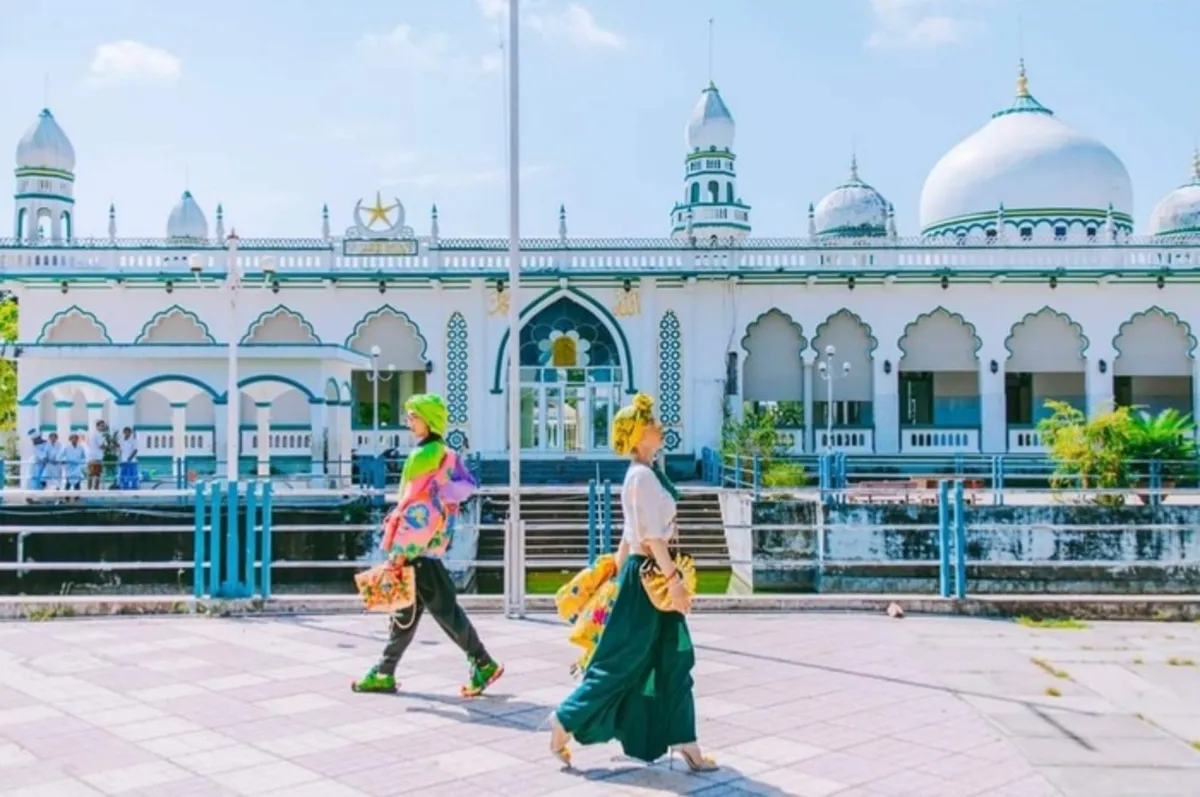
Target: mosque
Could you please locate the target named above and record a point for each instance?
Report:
(1028, 280)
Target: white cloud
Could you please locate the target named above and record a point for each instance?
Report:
(426, 51)
(132, 62)
(573, 23)
(918, 24)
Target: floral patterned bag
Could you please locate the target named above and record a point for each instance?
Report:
(388, 589)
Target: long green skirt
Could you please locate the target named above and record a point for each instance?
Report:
(638, 687)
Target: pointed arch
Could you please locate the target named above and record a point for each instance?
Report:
(772, 369)
(975, 343)
(384, 310)
(588, 303)
(174, 309)
(280, 311)
(763, 316)
(1047, 309)
(856, 318)
(1170, 316)
(78, 312)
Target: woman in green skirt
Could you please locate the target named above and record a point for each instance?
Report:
(637, 688)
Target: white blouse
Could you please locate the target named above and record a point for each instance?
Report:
(649, 509)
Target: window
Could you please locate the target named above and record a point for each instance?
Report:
(990, 235)
(729, 193)
(393, 392)
(1091, 233)
(714, 191)
(1060, 232)
(1123, 391)
(1026, 233)
(916, 398)
(694, 197)
(731, 373)
(1018, 399)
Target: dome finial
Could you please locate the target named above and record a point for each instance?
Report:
(853, 165)
(1022, 80)
(1196, 164)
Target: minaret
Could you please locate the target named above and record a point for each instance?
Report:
(44, 199)
(112, 223)
(220, 222)
(812, 221)
(434, 230)
(562, 225)
(325, 222)
(710, 177)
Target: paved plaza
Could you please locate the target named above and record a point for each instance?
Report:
(800, 704)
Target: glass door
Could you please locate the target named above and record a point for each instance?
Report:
(553, 418)
(916, 398)
(575, 413)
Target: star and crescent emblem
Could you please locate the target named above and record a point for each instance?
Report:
(379, 220)
(379, 212)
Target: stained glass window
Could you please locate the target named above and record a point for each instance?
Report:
(563, 340)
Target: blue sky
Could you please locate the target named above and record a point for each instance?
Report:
(274, 107)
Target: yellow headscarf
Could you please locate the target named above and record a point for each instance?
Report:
(631, 422)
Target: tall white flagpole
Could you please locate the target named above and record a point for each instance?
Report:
(514, 549)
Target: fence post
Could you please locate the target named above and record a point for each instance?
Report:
(198, 546)
(214, 539)
(960, 542)
(944, 538)
(754, 473)
(608, 546)
(251, 530)
(1155, 483)
(233, 586)
(265, 577)
(592, 507)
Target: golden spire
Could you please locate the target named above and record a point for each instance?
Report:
(1022, 80)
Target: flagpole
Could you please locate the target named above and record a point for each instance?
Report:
(514, 548)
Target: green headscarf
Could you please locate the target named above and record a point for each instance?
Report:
(426, 457)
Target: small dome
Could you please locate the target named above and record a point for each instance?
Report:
(187, 220)
(45, 146)
(1178, 213)
(711, 126)
(1035, 166)
(852, 210)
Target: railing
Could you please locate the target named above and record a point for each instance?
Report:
(1025, 441)
(280, 443)
(850, 440)
(938, 440)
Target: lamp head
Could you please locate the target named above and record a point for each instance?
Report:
(829, 350)
(268, 267)
(822, 367)
(845, 368)
(375, 352)
(195, 264)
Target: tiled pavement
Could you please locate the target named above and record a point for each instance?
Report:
(801, 704)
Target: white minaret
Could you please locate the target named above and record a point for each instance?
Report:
(220, 231)
(562, 225)
(45, 197)
(710, 196)
(112, 223)
(325, 222)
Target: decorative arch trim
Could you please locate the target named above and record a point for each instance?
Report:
(33, 395)
(161, 314)
(587, 302)
(278, 310)
(280, 379)
(1187, 328)
(155, 380)
(337, 391)
(1071, 322)
(846, 311)
(61, 314)
(385, 309)
(804, 342)
(940, 309)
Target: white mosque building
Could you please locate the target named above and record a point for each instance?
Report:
(1028, 280)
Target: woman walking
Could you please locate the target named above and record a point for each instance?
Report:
(637, 688)
(433, 484)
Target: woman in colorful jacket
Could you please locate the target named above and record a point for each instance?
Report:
(433, 484)
(637, 685)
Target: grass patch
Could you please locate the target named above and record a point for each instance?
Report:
(1175, 662)
(1058, 623)
(1050, 668)
(547, 582)
(1052, 692)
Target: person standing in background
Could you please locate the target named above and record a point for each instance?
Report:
(127, 473)
(53, 473)
(95, 455)
(74, 457)
(41, 459)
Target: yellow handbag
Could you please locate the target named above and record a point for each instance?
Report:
(656, 584)
(385, 588)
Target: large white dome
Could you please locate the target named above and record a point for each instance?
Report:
(853, 209)
(1178, 213)
(711, 125)
(1044, 173)
(46, 146)
(187, 220)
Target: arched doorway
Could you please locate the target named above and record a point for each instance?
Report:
(571, 382)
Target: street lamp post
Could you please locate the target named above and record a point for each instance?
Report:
(234, 281)
(514, 565)
(827, 373)
(376, 377)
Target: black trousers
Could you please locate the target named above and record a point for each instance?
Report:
(435, 594)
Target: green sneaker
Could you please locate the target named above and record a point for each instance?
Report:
(375, 682)
(482, 676)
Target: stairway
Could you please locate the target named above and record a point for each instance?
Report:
(556, 527)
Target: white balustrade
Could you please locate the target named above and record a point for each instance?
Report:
(280, 443)
(934, 440)
(1025, 441)
(156, 443)
(789, 441)
(388, 438)
(852, 440)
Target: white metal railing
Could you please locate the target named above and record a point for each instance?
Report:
(1025, 441)
(933, 440)
(280, 443)
(364, 440)
(848, 439)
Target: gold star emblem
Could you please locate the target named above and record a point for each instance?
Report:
(379, 212)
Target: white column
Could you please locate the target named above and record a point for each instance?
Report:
(27, 419)
(62, 419)
(345, 451)
(993, 408)
(1195, 390)
(263, 417)
(810, 423)
(95, 413)
(647, 368)
(322, 432)
(178, 436)
(220, 432)
(123, 415)
(885, 402)
(1098, 379)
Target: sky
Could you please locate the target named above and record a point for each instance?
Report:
(275, 107)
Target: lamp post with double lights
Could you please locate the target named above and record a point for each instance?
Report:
(376, 377)
(825, 367)
(234, 282)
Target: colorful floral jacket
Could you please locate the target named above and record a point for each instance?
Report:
(423, 522)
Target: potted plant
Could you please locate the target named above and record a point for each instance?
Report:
(1168, 439)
